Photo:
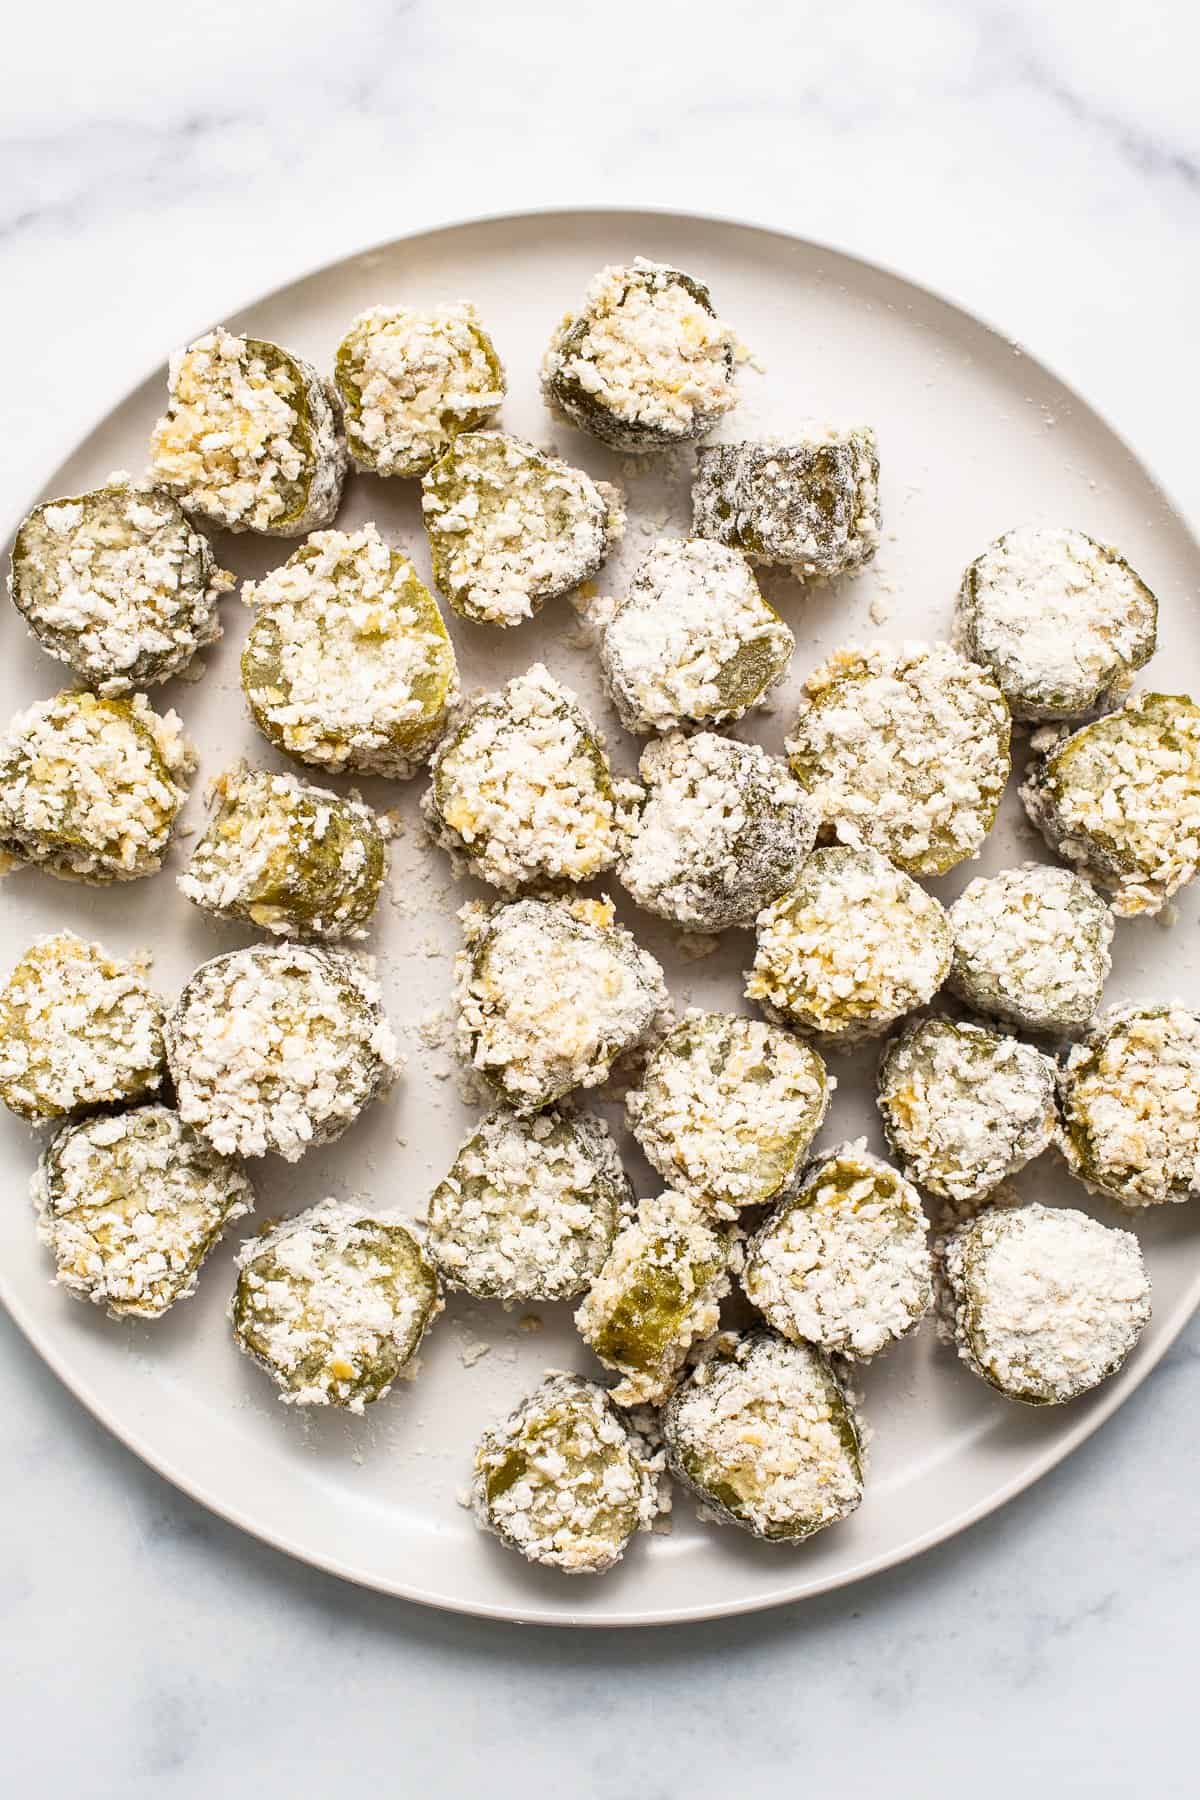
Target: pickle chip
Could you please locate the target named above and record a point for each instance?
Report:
(333, 1305)
(723, 832)
(811, 503)
(510, 527)
(1042, 1302)
(130, 1205)
(844, 1263)
(292, 859)
(1120, 799)
(411, 381)
(906, 750)
(78, 1028)
(118, 584)
(1062, 622)
(91, 786)
(762, 1432)
(277, 1048)
(1130, 1099)
(1031, 946)
(522, 792)
(348, 664)
(693, 642)
(727, 1109)
(250, 439)
(964, 1107)
(564, 1480)
(851, 948)
(549, 993)
(645, 364)
(658, 1292)
(530, 1206)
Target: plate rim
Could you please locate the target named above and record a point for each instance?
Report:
(1104, 1403)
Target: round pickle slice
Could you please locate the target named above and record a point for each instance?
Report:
(348, 664)
(250, 438)
(693, 642)
(762, 1432)
(811, 504)
(278, 1047)
(295, 860)
(564, 1481)
(78, 1028)
(646, 364)
(1062, 622)
(530, 1207)
(1120, 799)
(723, 832)
(964, 1107)
(854, 946)
(510, 527)
(658, 1292)
(906, 750)
(333, 1305)
(410, 382)
(118, 584)
(727, 1109)
(549, 993)
(522, 790)
(1042, 1302)
(91, 786)
(1130, 1099)
(129, 1207)
(1031, 946)
(844, 1263)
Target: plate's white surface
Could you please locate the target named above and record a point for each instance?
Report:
(974, 438)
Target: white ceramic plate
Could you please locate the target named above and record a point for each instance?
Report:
(974, 438)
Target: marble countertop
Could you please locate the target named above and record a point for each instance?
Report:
(1040, 163)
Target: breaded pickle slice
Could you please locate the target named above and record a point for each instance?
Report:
(530, 1206)
(295, 860)
(522, 790)
(118, 584)
(563, 1480)
(723, 832)
(727, 1109)
(851, 948)
(693, 642)
(964, 1107)
(78, 1028)
(1031, 946)
(1062, 622)
(549, 993)
(278, 1047)
(333, 1305)
(348, 664)
(1042, 1302)
(91, 786)
(646, 363)
(410, 381)
(1130, 1100)
(130, 1205)
(763, 1434)
(811, 503)
(844, 1263)
(251, 439)
(658, 1292)
(1120, 799)
(511, 527)
(906, 750)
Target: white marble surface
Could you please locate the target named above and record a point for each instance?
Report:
(1039, 162)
